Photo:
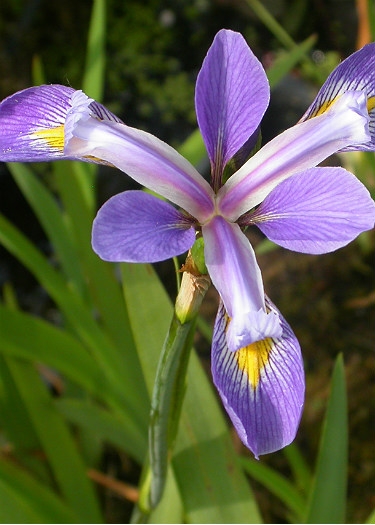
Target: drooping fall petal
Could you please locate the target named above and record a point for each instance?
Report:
(134, 226)
(261, 385)
(32, 123)
(355, 73)
(316, 211)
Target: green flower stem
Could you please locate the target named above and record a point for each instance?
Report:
(169, 387)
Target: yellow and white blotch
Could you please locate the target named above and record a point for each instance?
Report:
(261, 385)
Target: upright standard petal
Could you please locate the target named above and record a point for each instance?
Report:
(301, 147)
(261, 385)
(134, 226)
(356, 73)
(235, 273)
(232, 94)
(316, 211)
(142, 156)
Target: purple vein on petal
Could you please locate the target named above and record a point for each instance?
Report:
(261, 386)
(232, 94)
(32, 124)
(355, 73)
(301, 147)
(316, 211)
(146, 159)
(135, 226)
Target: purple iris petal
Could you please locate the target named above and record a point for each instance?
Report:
(137, 227)
(142, 156)
(32, 123)
(102, 113)
(28, 112)
(232, 94)
(235, 273)
(301, 147)
(261, 386)
(356, 73)
(316, 211)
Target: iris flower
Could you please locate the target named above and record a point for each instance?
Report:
(256, 359)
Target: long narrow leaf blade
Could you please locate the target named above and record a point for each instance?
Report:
(298, 465)
(103, 286)
(277, 485)
(116, 429)
(113, 362)
(93, 80)
(25, 500)
(67, 466)
(328, 497)
(27, 337)
(52, 220)
(287, 61)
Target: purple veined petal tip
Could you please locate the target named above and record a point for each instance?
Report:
(355, 73)
(135, 226)
(36, 123)
(32, 123)
(228, 109)
(262, 386)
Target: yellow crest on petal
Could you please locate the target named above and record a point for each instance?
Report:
(323, 108)
(370, 103)
(253, 358)
(53, 136)
(326, 104)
